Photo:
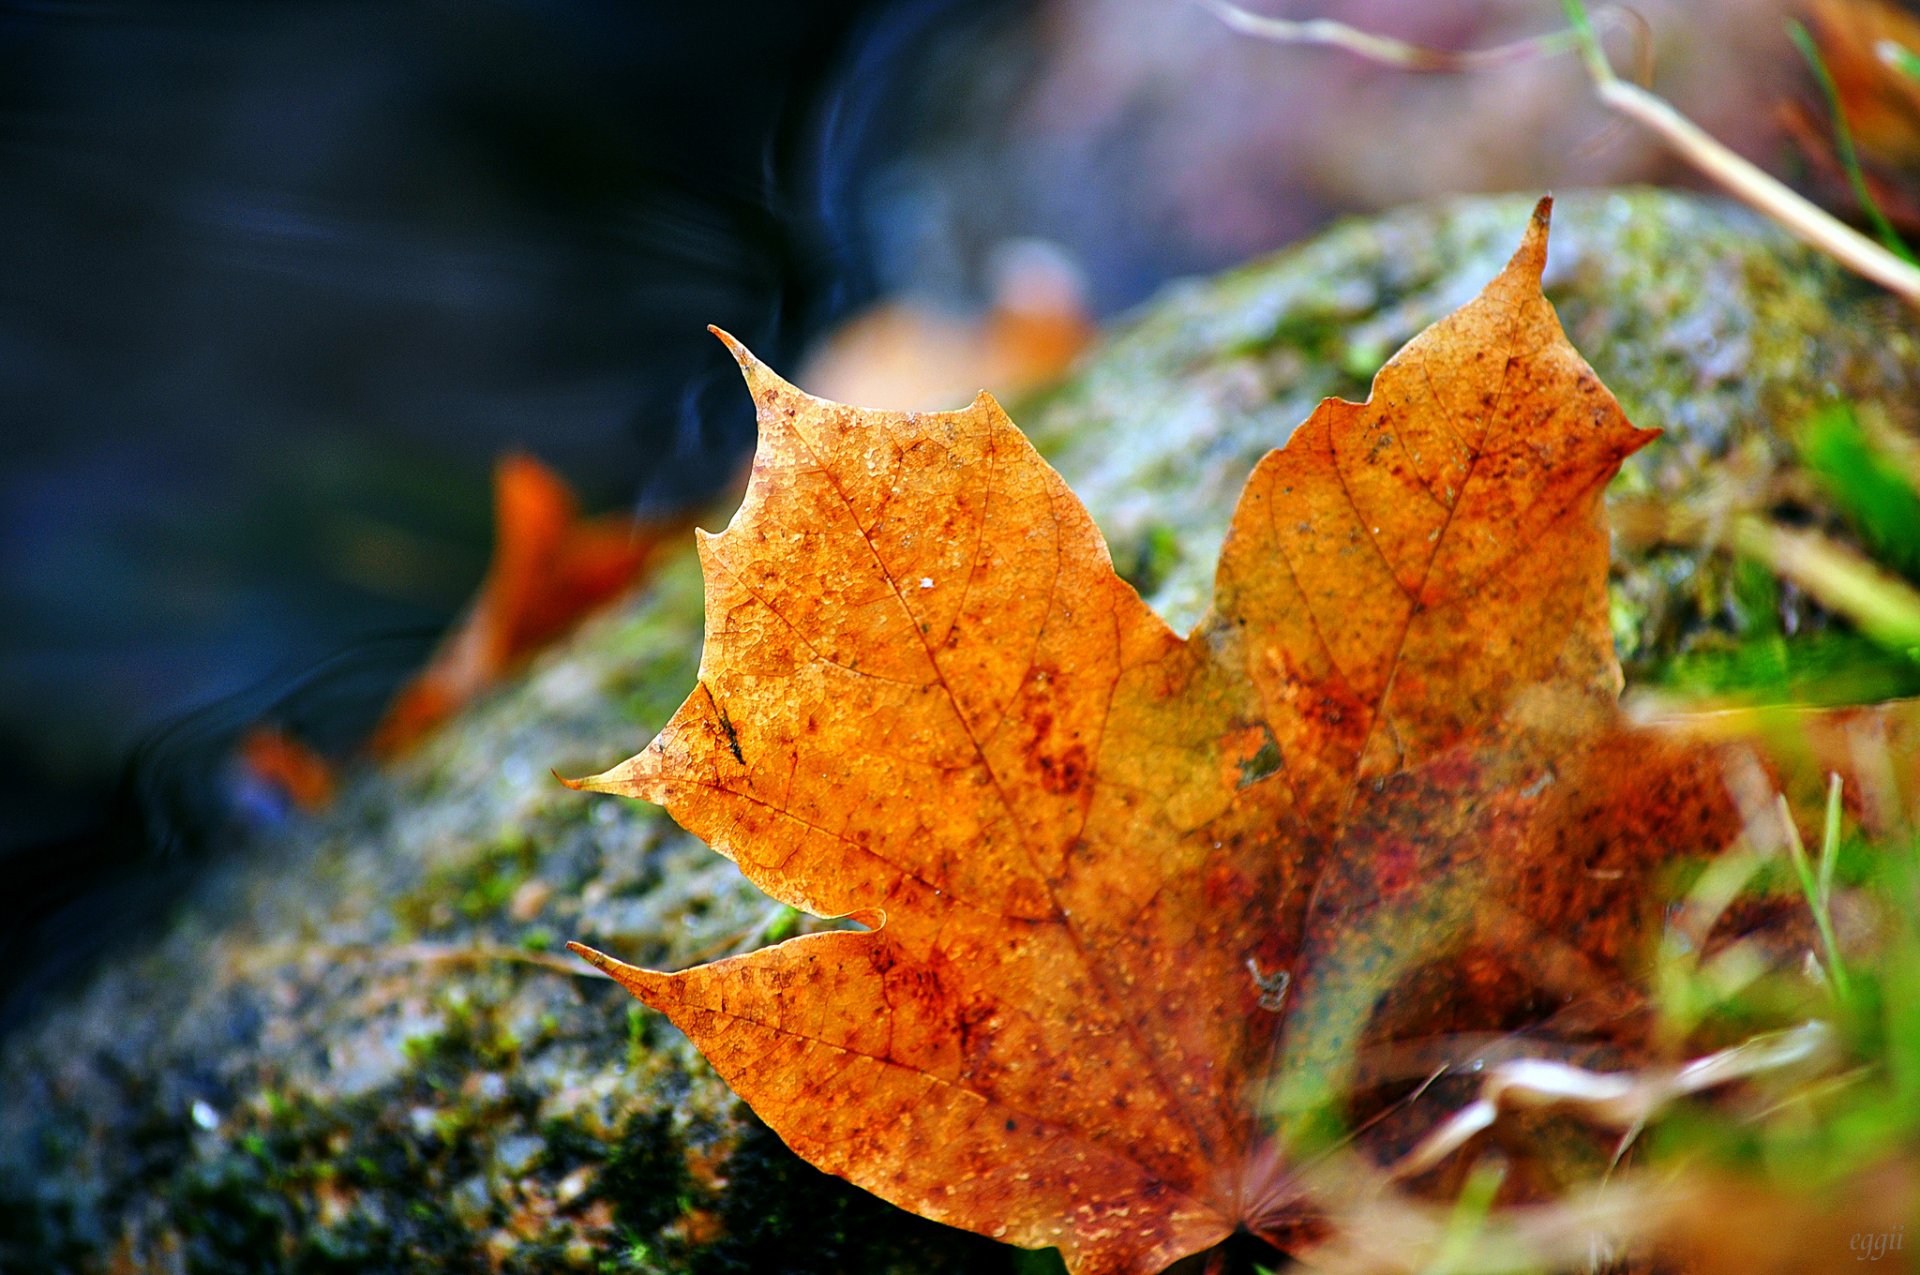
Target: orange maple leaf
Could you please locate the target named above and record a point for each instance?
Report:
(551, 568)
(1131, 894)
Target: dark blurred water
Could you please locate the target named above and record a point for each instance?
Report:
(280, 281)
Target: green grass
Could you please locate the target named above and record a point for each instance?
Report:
(1866, 486)
(1844, 148)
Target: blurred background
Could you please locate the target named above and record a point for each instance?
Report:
(283, 280)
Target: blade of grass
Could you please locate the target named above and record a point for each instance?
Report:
(1881, 605)
(1843, 144)
(1866, 483)
(1685, 991)
(1885, 608)
(1468, 1219)
(1830, 841)
(1897, 449)
(1822, 915)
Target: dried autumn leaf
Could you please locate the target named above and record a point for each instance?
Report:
(1139, 900)
(551, 568)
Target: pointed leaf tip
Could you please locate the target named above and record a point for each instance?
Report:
(1531, 257)
(605, 782)
(741, 354)
(643, 984)
(599, 960)
(617, 970)
(759, 377)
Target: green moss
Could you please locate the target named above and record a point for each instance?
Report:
(781, 926)
(1045, 1261)
(235, 1217)
(666, 639)
(657, 688)
(640, 1034)
(473, 1039)
(781, 1216)
(1360, 360)
(1315, 330)
(1153, 556)
(311, 1186)
(487, 886)
(646, 1178)
(257, 1205)
(473, 889)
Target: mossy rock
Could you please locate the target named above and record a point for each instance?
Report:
(1705, 321)
(355, 1047)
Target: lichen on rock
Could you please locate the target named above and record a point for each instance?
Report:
(357, 1048)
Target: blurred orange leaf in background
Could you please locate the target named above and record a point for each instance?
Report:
(551, 569)
(271, 757)
(912, 356)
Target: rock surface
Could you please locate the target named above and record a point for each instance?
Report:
(355, 1047)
